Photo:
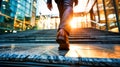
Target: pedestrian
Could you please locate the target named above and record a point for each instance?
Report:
(65, 8)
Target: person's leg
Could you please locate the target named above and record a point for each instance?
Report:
(60, 8)
(65, 8)
(67, 15)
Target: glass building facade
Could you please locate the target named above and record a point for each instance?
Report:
(101, 14)
(17, 14)
(106, 13)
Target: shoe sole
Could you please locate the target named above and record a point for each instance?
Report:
(63, 48)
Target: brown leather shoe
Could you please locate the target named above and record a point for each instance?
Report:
(62, 39)
(63, 47)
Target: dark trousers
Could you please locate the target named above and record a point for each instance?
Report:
(65, 8)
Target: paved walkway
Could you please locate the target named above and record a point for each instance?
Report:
(83, 54)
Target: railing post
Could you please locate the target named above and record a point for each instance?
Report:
(106, 20)
(98, 12)
(116, 14)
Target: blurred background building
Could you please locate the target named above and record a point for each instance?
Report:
(21, 15)
(17, 15)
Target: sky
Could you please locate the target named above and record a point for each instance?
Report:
(42, 7)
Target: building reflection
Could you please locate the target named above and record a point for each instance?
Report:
(91, 51)
(76, 50)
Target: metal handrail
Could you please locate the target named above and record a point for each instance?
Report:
(99, 24)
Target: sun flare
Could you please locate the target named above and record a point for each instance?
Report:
(73, 23)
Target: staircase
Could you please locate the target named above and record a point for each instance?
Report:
(28, 53)
(90, 35)
(79, 35)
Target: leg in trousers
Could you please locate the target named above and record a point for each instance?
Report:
(65, 8)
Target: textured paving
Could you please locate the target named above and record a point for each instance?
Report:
(80, 54)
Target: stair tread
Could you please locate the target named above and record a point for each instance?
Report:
(77, 35)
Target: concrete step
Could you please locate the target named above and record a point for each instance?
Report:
(87, 41)
(49, 36)
(79, 54)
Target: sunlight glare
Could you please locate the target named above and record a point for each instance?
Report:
(72, 52)
(73, 23)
